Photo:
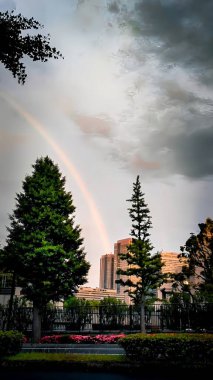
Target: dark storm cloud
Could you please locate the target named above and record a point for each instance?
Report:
(178, 32)
(188, 154)
(113, 7)
(171, 55)
(182, 142)
(174, 135)
(196, 147)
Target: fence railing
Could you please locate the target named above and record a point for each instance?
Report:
(158, 317)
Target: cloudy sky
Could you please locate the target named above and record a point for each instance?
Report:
(132, 96)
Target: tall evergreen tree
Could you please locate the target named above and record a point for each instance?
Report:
(143, 270)
(44, 247)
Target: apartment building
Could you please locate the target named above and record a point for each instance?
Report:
(97, 294)
(172, 264)
(107, 272)
(120, 247)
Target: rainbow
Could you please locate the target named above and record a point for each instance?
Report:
(33, 122)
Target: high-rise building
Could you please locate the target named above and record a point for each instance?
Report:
(107, 279)
(172, 264)
(98, 294)
(120, 247)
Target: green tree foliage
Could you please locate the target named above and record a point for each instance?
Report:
(197, 273)
(144, 269)
(73, 301)
(78, 312)
(112, 312)
(44, 246)
(15, 43)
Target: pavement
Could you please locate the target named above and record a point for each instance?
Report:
(81, 348)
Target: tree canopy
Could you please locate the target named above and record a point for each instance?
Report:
(44, 246)
(15, 43)
(197, 273)
(144, 269)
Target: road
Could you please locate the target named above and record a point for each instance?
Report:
(75, 348)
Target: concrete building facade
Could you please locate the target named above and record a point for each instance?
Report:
(107, 272)
(120, 247)
(97, 294)
(5, 288)
(172, 264)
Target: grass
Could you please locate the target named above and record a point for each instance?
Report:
(43, 356)
(97, 362)
(46, 361)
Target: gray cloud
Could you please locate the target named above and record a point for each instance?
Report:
(172, 136)
(180, 151)
(170, 57)
(178, 32)
(196, 147)
(113, 7)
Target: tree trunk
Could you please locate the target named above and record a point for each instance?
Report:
(10, 305)
(36, 324)
(142, 310)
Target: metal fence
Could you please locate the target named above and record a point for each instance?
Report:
(159, 317)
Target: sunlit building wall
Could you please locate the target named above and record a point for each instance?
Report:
(107, 279)
(172, 264)
(97, 294)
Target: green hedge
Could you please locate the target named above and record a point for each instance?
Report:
(10, 342)
(183, 348)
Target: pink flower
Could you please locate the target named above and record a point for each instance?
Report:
(25, 339)
(100, 338)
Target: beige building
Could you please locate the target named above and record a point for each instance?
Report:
(120, 247)
(172, 264)
(97, 294)
(107, 279)
(109, 263)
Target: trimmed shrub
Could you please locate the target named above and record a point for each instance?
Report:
(10, 342)
(177, 347)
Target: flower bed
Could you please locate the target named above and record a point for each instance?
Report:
(66, 338)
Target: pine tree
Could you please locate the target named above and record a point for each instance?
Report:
(144, 270)
(44, 247)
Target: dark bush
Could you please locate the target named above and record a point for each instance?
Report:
(177, 347)
(10, 342)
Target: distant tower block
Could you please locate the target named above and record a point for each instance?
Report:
(107, 280)
(120, 247)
